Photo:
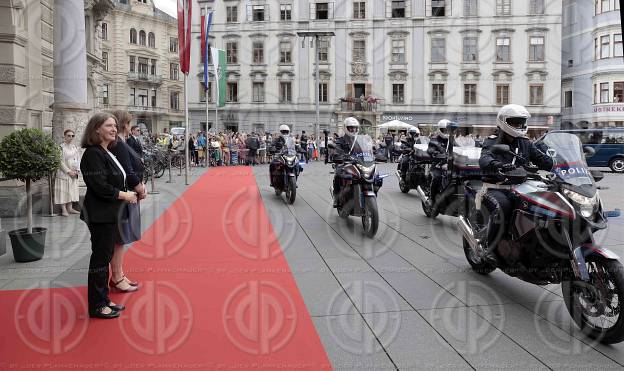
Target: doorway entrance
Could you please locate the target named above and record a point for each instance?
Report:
(358, 91)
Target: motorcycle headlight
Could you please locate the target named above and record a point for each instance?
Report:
(367, 171)
(586, 205)
(289, 160)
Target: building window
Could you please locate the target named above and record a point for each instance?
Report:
(208, 93)
(232, 92)
(470, 8)
(285, 92)
(503, 49)
(173, 71)
(604, 92)
(604, 6)
(231, 51)
(132, 100)
(359, 50)
(502, 94)
(105, 60)
(503, 7)
(231, 14)
(471, 49)
(323, 92)
(173, 44)
(359, 10)
(536, 7)
(142, 38)
(133, 36)
(258, 13)
(618, 92)
(322, 10)
(536, 94)
(536, 49)
(323, 49)
(470, 93)
(104, 31)
(285, 52)
(174, 100)
(105, 94)
(567, 98)
(143, 102)
(398, 9)
(617, 45)
(398, 51)
(438, 50)
(151, 40)
(438, 8)
(153, 67)
(143, 66)
(202, 92)
(398, 93)
(132, 63)
(605, 45)
(154, 98)
(286, 12)
(437, 94)
(258, 52)
(258, 91)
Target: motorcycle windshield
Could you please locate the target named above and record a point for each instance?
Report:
(569, 161)
(289, 148)
(362, 149)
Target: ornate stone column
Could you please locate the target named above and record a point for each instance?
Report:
(70, 69)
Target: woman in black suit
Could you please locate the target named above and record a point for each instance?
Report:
(129, 227)
(106, 194)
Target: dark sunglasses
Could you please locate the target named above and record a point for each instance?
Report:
(70, 135)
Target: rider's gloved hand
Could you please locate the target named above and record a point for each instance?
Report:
(507, 167)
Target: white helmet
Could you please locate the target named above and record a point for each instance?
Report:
(284, 129)
(352, 126)
(414, 131)
(512, 120)
(443, 128)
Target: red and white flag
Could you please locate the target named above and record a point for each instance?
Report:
(184, 34)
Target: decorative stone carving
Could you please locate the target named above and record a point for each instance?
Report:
(358, 68)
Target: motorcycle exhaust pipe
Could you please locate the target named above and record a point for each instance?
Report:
(422, 194)
(467, 232)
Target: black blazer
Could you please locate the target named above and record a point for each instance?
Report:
(104, 181)
(135, 145)
(129, 162)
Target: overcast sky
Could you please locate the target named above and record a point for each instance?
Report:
(168, 6)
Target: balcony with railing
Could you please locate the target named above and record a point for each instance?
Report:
(145, 77)
(367, 104)
(147, 109)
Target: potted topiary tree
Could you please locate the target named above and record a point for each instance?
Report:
(28, 155)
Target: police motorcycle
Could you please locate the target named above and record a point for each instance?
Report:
(287, 170)
(359, 182)
(419, 162)
(458, 166)
(550, 237)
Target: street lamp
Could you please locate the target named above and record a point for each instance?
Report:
(314, 35)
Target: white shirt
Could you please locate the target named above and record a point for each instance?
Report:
(118, 164)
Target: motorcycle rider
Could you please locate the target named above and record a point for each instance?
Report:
(343, 146)
(276, 146)
(438, 146)
(512, 127)
(413, 137)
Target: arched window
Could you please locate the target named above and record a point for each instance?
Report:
(133, 36)
(151, 40)
(142, 37)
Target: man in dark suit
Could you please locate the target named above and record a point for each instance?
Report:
(133, 141)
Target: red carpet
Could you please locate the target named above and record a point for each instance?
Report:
(216, 294)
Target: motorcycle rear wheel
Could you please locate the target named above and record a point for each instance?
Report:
(477, 264)
(370, 220)
(577, 299)
(403, 186)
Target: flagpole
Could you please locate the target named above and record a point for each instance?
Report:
(186, 131)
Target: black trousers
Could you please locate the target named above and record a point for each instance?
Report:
(497, 214)
(102, 247)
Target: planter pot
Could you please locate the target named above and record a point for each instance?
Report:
(28, 247)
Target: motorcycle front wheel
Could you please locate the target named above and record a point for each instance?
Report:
(370, 220)
(477, 263)
(291, 190)
(596, 307)
(403, 186)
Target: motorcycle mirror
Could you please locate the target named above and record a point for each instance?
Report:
(589, 151)
(500, 148)
(597, 174)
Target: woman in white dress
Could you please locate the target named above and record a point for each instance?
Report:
(66, 187)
